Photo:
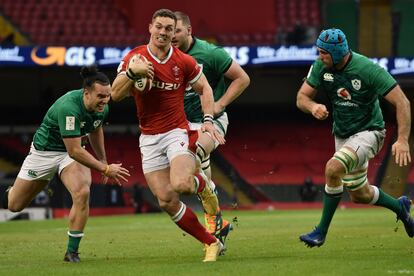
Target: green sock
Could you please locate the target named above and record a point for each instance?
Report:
(75, 237)
(330, 202)
(387, 201)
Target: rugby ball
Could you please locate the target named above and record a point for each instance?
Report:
(142, 84)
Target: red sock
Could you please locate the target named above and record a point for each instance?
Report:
(187, 220)
(201, 182)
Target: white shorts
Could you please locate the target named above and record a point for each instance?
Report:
(158, 150)
(366, 144)
(221, 124)
(42, 165)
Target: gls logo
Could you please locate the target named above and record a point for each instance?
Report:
(239, 54)
(72, 56)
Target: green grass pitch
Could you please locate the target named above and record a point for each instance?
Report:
(360, 242)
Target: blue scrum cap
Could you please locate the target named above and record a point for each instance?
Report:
(334, 42)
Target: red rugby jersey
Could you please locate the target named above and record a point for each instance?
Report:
(161, 109)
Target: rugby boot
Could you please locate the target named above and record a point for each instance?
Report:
(314, 238)
(405, 217)
(71, 257)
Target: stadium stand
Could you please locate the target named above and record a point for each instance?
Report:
(68, 23)
(286, 153)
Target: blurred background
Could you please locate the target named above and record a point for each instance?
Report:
(274, 156)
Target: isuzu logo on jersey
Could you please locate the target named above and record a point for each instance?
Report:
(343, 93)
(165, 85)
(328, 77)
(356, 84)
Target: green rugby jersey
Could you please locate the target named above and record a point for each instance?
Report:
(215, 61)
(353, 92)
(67, 117)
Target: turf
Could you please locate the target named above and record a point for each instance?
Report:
(360, 242)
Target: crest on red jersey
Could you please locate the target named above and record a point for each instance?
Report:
(176, 71)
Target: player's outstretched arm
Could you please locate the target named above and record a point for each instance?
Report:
(121, 88)
(78, 153)
(239, 82)
(96, 140)
(202, 87)
(401, 149)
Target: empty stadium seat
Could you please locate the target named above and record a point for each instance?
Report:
(40, 20)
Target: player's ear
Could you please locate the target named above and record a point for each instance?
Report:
(86, 91)
(190, 30)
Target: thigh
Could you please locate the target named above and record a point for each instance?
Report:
(153, 153)
(366, 144)
(220, 124)
(182, 171)
(41, 165)
(24, 191)
(207, 142)
(159, 184)
(76, 177)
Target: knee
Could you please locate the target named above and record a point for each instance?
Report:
(164, 204)
(168, 206)
(333, 170)
(360, 197)
(184, 185)
(81, 195)
(15, 206)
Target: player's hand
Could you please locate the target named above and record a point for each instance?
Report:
(139, 67)
(401, 151)
(319, 111)
(117, 172)
(209, 127)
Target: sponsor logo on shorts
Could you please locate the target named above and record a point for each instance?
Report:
(32, 173)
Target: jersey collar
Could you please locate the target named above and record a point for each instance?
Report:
(170, 52)
(192, 44)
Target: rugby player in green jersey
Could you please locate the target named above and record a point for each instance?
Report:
(57, 148)
(354, 85)
(217, 65)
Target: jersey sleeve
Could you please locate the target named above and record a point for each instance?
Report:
(313, 77)
(380, 80)
(222, 60)
(192, 69)
(69, 122)
(124, 62)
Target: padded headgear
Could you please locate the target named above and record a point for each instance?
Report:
(334, 42)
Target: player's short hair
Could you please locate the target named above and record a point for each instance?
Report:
(334, 42)
(90, 75)
(164, 13)
(183, 17)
